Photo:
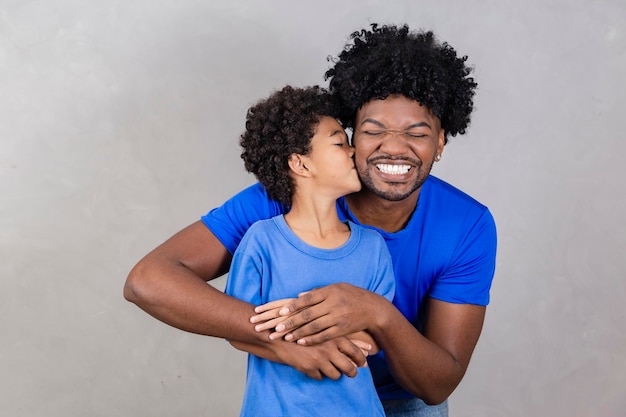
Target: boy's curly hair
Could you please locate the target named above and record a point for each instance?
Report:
(281, 125)
(390, 60)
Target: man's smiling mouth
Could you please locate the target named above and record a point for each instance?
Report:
(393, 169)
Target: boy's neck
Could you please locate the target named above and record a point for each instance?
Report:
(315, 221)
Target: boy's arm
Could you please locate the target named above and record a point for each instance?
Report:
(170, 284)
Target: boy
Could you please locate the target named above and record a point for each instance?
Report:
(300, 154)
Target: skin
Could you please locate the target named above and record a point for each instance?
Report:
(323, 175)
(169, 282)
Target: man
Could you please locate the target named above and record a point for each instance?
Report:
(403, 94)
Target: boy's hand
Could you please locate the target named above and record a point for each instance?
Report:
(268, 316)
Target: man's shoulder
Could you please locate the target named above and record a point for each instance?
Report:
(446, 193)
(252, 202)
(255, 191)
(452, 210)
(232, 219)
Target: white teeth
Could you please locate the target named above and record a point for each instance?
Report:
(393, 169)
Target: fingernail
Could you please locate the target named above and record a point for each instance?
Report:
(288, 336)
(284, 311)
(280, 327)
(301, 342)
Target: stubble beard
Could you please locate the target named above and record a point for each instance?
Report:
(392, 194)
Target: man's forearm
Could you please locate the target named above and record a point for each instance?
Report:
(173, 294)
(418, 365)
(169, 283)
(176, 296)
(432, 365)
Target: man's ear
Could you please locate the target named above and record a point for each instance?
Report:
(297, 164)
(441, 142)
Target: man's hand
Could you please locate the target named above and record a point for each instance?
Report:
(329, 359)
(318, 315)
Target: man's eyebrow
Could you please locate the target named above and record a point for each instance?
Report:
(420, 124)
(372, 121)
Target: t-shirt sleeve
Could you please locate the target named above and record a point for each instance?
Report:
(230, 221)
(467, 279)
(245, 276)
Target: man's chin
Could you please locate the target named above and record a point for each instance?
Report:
(388, 191)
(391, 193)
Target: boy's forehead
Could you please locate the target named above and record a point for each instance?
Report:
(328, 123)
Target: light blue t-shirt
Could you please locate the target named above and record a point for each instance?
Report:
(447, 251)
(272, 263)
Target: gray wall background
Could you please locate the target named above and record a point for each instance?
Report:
(119, 123)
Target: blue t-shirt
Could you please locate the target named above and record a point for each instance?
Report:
(446, 251)
(272, 263)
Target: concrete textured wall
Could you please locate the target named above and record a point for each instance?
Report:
(119, 123)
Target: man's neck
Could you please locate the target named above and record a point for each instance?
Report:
(390, 216)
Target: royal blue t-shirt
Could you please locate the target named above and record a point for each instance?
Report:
(446, 251)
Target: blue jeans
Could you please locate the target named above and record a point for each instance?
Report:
(414, 408)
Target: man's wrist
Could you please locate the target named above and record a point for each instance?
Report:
(380, 321)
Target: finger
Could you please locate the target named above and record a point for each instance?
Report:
(268, 315)
(352, 352)
(305, 300)
(333, 372)
(315, 373)
(344, 365)
(271, 324)
(302, 318)
(364, 346)
(276, 304)
(277, 335)
(315, 339)
(317, 331)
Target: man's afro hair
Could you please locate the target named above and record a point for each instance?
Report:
(390, 60)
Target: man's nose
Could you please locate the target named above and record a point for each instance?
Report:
(393, 142)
